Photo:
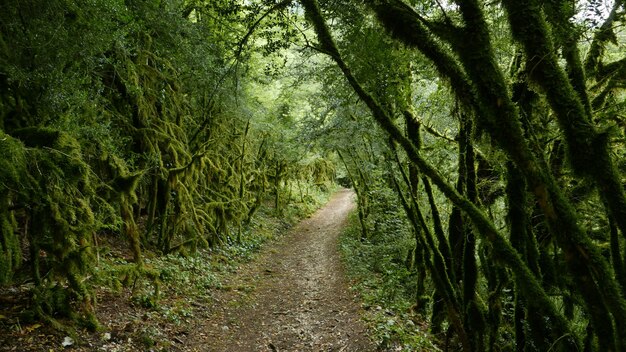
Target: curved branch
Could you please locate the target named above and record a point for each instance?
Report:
(502, 248)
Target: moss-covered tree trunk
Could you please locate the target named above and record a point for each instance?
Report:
(502, 249)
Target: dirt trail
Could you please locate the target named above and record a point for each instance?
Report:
(293, 297)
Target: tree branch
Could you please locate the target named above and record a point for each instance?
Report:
(502, 248)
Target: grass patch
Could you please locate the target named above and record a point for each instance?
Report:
(387, 288)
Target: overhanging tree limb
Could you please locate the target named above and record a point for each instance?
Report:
(588, 149)
(502, 248)
(498, 115)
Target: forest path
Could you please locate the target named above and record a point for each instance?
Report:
(293, 297)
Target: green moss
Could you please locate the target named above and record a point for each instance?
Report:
(12, 162)
(54, 180)
(10, 253)
(13, 179)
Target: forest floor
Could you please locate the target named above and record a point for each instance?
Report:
(299, 299)
(292, 296)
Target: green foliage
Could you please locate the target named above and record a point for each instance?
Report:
(170, 125)
(49, 178)
(473, 54)
(131, 121)
(12, 168)
(386, 286)
(184, 272)
(13, 165)
(10, 252)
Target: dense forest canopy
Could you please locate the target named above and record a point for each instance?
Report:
(484, 141)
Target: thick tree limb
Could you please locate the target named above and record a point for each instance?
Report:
(496, 112)
(502, 248)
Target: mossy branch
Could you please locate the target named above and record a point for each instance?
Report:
(502, 248)
(601, 36)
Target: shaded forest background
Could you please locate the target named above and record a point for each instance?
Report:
(484, 141)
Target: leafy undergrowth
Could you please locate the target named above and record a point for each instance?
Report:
(386, 287)
(154, 310)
